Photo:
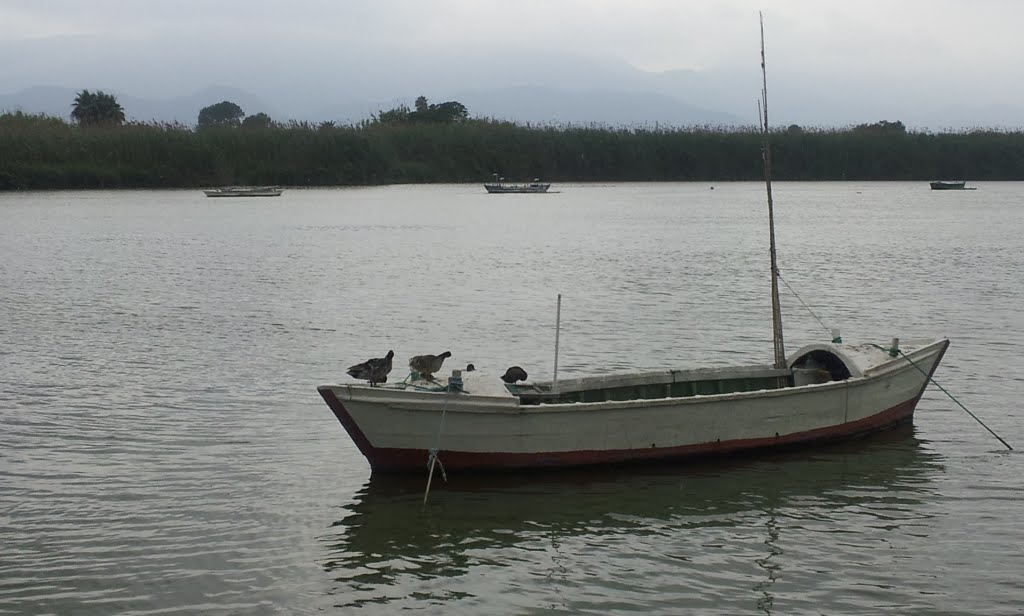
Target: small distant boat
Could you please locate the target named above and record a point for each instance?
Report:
(944, 185)
(499, 186)
(245, 191)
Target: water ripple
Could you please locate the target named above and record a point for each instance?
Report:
(163, 449)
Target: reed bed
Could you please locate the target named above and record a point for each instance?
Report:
(40, 152)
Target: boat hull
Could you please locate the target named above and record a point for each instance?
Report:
(395, 430)
(244, 192)
(948, 185)
(516, 188)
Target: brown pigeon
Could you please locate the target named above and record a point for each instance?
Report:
(427, 365)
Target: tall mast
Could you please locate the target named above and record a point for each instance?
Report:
(766, 156)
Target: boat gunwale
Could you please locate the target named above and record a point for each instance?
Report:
(658, 377)
(434, 401)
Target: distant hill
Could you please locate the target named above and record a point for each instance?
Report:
(57, 101)
(345, 79)
(50, 100)
(603, 107)
(524, 105)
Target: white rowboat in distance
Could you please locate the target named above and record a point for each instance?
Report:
(245, 191)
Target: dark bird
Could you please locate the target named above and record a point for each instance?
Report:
(427, 365)
(513, 374)
(470, 367)
(373, 370)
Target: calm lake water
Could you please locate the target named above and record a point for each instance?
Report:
(163, 449)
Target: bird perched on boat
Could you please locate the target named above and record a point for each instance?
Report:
(513, 374)
(373, 370)
(427, 365)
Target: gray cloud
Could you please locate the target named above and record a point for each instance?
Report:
(870, 54)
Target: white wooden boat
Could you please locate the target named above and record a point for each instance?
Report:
(822, 392)
(245, 191)
(826, 392)
(949, 185)
(499, 186)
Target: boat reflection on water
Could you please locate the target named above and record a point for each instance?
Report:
(480, 520)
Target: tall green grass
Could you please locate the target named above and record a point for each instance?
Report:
(39, 152)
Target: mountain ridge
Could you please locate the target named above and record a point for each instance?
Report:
(168, 80)
(534, 105)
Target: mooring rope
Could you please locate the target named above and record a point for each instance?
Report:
(928, 376)
(454, 386)
(433, 458)
(434, 453)
(407, 382)
(943, 390)
(797, 296)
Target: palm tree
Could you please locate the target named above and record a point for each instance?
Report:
(97, 109)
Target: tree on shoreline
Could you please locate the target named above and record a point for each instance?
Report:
(257, 120)
(97, 109)
(398, 115)
(442, 113)
(224, 114)
(883, 127)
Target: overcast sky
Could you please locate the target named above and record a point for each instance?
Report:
(974, 44)
(901, 35)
